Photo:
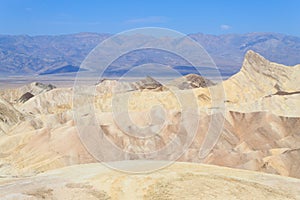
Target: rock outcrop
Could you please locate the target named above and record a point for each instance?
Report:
(35, 88)
(25, 97)
(9, 117)
(259, 78)
(191, 81)
(114, 86)
(148, 83)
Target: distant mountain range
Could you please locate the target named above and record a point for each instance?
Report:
(22, 54)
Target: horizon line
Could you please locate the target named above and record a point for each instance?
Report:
(110, 34)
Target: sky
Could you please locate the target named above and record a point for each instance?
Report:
(53, 17)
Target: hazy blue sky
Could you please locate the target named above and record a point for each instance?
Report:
(35, 17)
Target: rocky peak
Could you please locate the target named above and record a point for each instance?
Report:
(147, 83)
(260, 77)
(117, 86)
(42, 86)
(262, 70)
(191, 81)
(254, 61)
(35, 88)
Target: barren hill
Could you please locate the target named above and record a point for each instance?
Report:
(261, 127)
(179, 181)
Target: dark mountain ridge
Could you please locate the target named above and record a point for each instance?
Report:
(23, 54)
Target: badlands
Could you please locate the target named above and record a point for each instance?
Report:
(48, 152)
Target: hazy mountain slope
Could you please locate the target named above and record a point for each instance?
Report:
(38, 54)
(228, 50)
(26, 54)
